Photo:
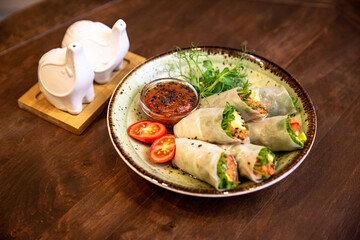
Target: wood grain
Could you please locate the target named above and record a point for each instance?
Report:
(45, 16)
(56, 185)
(323, 183)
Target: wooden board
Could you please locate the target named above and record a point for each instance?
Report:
(35, 102)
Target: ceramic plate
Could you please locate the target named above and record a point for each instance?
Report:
(124, 109)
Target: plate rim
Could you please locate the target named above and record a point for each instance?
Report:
(263, 63)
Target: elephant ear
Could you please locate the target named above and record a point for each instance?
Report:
(54, 74)
(57, 80)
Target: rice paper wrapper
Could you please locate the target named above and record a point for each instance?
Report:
(199, 159)
(245, 156)
(204, 124)
(272, 133)
(231, 96)
(277, 100)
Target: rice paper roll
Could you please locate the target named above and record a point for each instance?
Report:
(206, 162)
(254, 162)
(206, 124)
(275, 133)
(277, 100)
(219, 101)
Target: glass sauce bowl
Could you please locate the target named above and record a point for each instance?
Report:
(168, 100)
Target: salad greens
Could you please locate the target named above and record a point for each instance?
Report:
(203, 75)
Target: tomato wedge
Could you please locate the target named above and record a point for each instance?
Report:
(294, 125)
(146, 131)
(231, 171)
(163, 149)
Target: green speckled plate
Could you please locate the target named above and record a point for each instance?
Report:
(124, 109)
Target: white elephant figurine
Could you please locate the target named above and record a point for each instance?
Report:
(105, 48)
(66, 78)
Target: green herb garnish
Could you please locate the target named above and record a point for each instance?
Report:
(202, 74)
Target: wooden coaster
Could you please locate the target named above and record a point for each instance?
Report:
(35, 102)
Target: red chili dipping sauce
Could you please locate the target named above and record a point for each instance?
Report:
(170, 99)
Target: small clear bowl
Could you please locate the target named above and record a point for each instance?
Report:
(166, 120)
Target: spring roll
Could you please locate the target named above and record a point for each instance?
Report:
(247, 103)
(254, 162)
(217, 125)
(280, 133)
(277, 100)
(207, 162)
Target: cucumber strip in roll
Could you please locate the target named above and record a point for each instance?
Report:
(276, 133)
(207, 162)
(255, 162)
(208, 124)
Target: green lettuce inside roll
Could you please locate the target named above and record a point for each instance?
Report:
(252, 99)
(265, 163)
(233, 124)
(207, 162)
(227, 172)
(279, 133)
(292, 127)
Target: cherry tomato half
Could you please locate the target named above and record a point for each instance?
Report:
(231, 171)
(147, 131)
(294, 125)
(163, 149)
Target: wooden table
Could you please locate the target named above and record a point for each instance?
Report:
(56, 185)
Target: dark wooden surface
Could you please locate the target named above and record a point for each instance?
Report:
(56, 185)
